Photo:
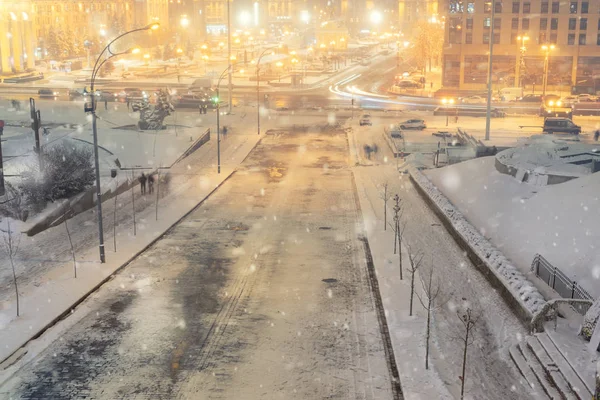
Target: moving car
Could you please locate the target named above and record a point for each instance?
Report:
(137, 95)
(103, 95)
(561, 125)
(413, 124)
(474, 100)
(365, 120)
(47, 93)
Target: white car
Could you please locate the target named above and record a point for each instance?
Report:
(413, 124)
(474, 100)
(585, 98)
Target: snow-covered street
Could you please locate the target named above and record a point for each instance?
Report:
(261, 292)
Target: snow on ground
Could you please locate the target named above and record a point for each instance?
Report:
(543, 154)
(559, 222)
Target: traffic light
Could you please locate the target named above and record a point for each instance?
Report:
(215, 99)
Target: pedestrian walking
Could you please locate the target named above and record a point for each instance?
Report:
(596, 134)
(205, 108)
(151, 183)
(127, 104)
(106, 104)
(142, 180)
(456, 119)
(224, 131)
(200, 109)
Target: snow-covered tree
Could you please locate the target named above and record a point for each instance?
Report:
(53, 45)
(67, 170)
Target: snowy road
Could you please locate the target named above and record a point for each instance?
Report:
(260, 293)
(490, 372)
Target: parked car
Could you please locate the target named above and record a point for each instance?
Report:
(568, 101)
(103, 95)
(137, 95)
(191, 101)
(474, 100)
(561, 125)
(408, 84)
(365, 120)
(531, 98)
(413, 124)
(48, 93)
(77, 93)
(584, 97)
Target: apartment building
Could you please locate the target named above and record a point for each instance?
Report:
(525, 32)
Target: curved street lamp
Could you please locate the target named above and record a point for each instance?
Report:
(92, 109)
(258, 86)
(218, 116)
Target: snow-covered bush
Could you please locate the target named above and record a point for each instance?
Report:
(590, 320)
(67, 171)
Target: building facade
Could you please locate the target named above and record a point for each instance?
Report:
(525, 33)
(17, 36)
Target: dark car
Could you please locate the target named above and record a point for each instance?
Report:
(561, 125)
(77, 93)
(47, 93)
(531, 98)
(137, 95)
(191, 101)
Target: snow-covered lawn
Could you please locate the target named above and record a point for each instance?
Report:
(559, 222)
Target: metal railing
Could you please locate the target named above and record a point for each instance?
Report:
(561, 283)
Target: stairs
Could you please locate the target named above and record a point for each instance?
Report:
(542, 365)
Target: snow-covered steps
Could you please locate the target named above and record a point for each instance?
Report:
(542, 365)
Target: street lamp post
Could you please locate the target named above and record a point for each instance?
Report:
(258, 87)
(521, 63)
(92, 109)
(227, 70)
(488, 113)
(547, 49)
(179, 51)
(447, 103)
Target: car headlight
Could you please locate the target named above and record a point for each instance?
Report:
(56, 93)
(559, 103)
(551, 103)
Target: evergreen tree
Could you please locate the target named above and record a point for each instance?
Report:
(52, 45)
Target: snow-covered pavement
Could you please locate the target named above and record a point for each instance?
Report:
(260, 293)
(490, 373)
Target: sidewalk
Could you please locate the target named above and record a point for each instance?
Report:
(407, 333)
(51, 298)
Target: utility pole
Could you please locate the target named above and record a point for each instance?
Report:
(230, 87)
(35, 125)
(488, 113)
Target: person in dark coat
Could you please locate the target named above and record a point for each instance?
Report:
(596, 134)
(151, 183)
(143, 183)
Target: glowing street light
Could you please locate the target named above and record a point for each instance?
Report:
(376, 17)
(245, 18)
(184, 21)
(305, 16)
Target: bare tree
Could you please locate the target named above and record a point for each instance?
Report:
(415, 259)
(12, 247)
(115, 216)
(385, 196)
(398, 227)
(469, 320)
(65, 217)
(430, 301)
